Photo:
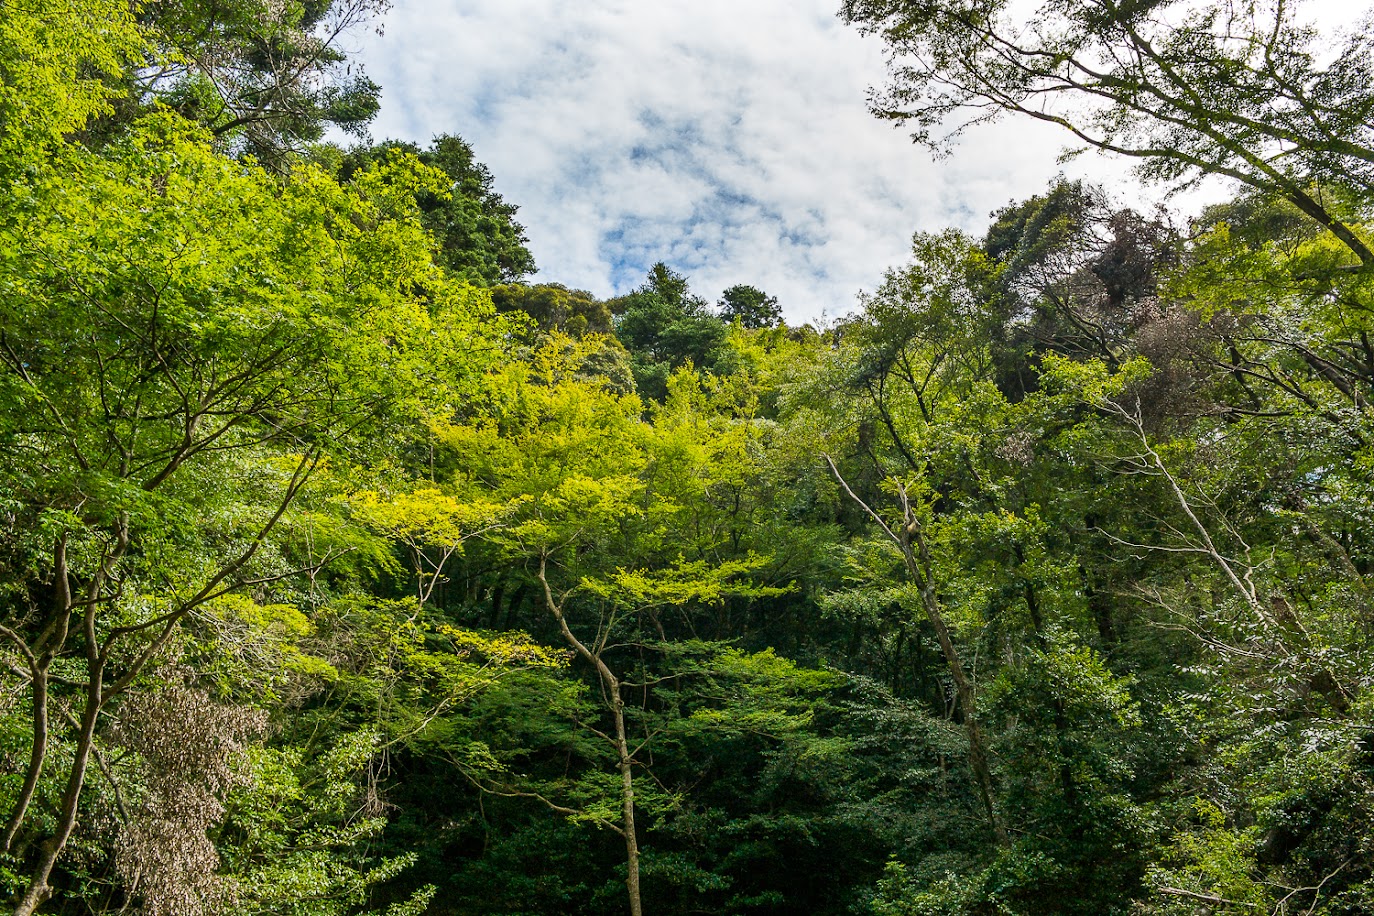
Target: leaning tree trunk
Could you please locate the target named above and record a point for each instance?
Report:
(99, 691)
(916, 558)
(39, 889)
(624, 760)
(963, 684)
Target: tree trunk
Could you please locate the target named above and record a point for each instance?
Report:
(39, 890)
(36, 758)
(624, 761)
(968, 707)
(916, 557)
(627, 802)
(40, 659)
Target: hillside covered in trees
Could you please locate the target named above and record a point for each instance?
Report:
(345, 571)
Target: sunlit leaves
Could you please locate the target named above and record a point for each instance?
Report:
(57, 57)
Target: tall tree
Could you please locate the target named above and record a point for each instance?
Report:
(750, 306)
(479, 239)
(1240, 90)
(267, 79)
(665, 325)
(185, 340)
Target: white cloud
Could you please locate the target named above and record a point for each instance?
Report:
(729, 138)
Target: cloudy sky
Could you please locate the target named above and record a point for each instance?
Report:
(728, 138)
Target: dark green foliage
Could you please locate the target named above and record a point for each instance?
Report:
(479, 240)
(665, 326)
(344, 574)
(267, 79)
(750, 306)
(1073, 276)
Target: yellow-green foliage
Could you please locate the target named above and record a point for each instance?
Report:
(504, 649)
(1212, 861)
(684, 582)
(428, 516)
(59, 63)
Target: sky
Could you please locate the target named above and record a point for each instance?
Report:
(730, 139)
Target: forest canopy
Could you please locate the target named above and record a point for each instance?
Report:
(347, 570)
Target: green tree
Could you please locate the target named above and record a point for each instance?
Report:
(479, 239)
(1243, 91)
(220, 333)
(664, 326)
(580, 322)
(57, 58)
(639, 537)
(983, 550)
(750, 306)
(554, 307)
(266, 79)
